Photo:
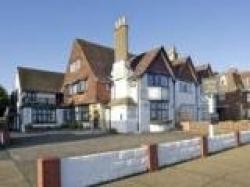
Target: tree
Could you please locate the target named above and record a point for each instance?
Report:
(4, 100)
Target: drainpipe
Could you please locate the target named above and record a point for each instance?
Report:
(138, 105)
(174, 102)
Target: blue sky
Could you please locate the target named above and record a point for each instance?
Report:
(40, 33)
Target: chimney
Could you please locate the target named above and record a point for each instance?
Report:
(121, 39)
(173, 55)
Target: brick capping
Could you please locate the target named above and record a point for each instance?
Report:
(204, 146)
(237, 135)
(48, 172)
(152, 154)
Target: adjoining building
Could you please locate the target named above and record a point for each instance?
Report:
(38, 98)
(231, 94)
(106, 87)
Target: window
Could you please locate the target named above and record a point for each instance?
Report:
(75, 66)
(68, 114)
(82, 86)
(185, 87)
(157, 80)
(77, 87)
(159, 110)
(43, 115)
(30, 97)
(82, 113)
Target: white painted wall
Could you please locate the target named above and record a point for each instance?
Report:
(221, 142)
(188, 99)
(59, 116)
(26, 117)
(96, 168)
(245, 136)
(123, 118)
(173, 152)
(144, 106)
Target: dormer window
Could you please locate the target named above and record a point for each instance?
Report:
(77, 87)
(82, 86)
(75, 66)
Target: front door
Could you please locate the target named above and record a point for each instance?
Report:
(96, 119)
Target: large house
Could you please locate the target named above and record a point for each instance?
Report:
(111, 88)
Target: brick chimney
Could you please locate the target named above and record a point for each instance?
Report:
(121, 39)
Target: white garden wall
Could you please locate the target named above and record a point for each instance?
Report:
(221, 142)
(245, 137)
(96, 168)
(170, 153)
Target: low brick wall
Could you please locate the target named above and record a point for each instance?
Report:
(97, 168)
(170, 153)
(103, 167)
(221, 142)
(201, 127)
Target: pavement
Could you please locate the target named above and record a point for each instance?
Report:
(230, 168)
(18, 162)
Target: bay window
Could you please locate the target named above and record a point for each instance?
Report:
(159, 110)
(43, 115)
(157, 80)
(82, 113)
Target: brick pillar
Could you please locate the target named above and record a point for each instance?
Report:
(237, 136)
(6, 137)
(48, 172)
(204, 146)
(152, 154)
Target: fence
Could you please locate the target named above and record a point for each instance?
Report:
(103, 167)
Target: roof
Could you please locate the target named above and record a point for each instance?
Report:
(40, 80)
(100, 58)
(203, 71)
(141, 62)
(180, 64)
(233, 82)
(245, 76)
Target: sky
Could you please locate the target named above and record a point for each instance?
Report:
(40, 34)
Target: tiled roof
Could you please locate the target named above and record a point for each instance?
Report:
(101, 58)
(40, 80)
(180, 67)
(141, 62)
(203, 71)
